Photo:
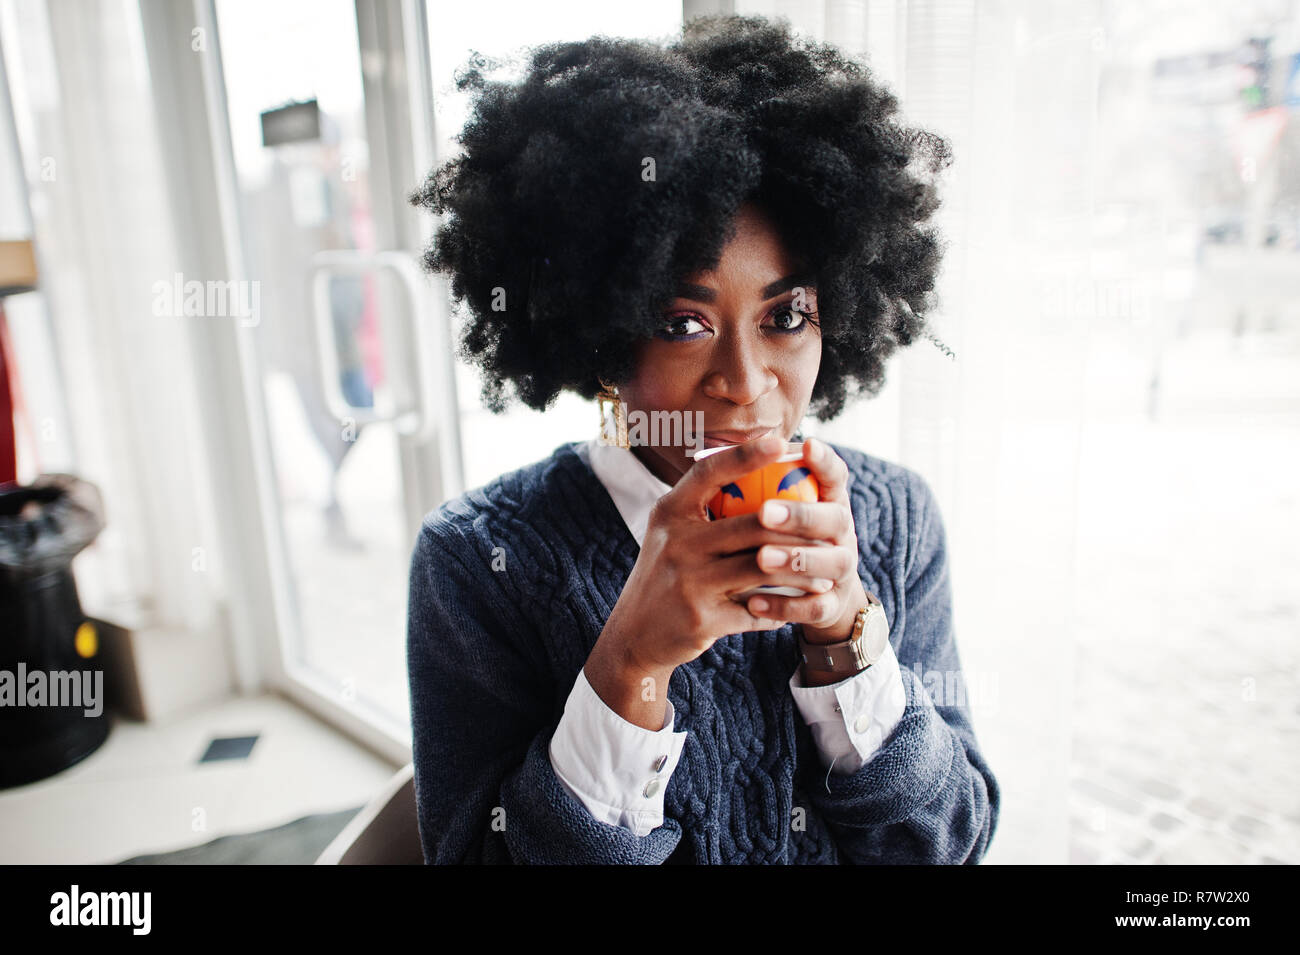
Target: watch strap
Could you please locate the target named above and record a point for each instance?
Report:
(846, 657)
(832, 657)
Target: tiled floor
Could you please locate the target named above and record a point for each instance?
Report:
(144, 790)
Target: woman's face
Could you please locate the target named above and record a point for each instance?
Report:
(737, 345)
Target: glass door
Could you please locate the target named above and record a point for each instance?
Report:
(361, 446)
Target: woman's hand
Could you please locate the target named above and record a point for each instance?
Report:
(676, 602)
(828, 527)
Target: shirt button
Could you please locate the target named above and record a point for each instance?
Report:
(861, 724)
(660, 763)
(651, 788)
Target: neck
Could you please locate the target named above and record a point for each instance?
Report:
(658, 465)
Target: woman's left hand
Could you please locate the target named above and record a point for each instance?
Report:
(825, 617)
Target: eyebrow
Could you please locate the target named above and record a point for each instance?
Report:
(702, 293)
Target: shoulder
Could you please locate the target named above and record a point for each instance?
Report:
(871, 475)
(513, 510)
(893, 505)
(871, 470)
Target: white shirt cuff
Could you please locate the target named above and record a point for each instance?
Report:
(851, 720)
(618, 770)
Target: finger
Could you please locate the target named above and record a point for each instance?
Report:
(742, 533)
(815, 610)
(737, 574)
(809, 562)
(737, 618)
(708, 475)
(829, 469)
(818, 520)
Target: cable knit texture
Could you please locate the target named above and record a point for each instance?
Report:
(511, 584)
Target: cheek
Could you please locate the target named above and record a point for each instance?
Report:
(659, 382)
(799, 371)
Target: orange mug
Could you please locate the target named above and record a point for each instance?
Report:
(783, 479)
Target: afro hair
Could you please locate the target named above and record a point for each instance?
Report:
(585, 192)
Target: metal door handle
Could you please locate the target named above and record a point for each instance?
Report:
(417, 422)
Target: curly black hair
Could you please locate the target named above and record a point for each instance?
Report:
(616, 167)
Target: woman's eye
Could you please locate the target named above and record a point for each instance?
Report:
(789, 319)
(680, 327)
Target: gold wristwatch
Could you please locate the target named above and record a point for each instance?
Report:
(863, 647)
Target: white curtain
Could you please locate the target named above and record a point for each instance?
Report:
(84, 117)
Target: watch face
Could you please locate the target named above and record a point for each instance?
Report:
(875, 635)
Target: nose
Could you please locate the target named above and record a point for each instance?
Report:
(740, 373)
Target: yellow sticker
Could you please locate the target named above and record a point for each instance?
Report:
(87, 640)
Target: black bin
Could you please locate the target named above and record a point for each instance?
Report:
(52, 706)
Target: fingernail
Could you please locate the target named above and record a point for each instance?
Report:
(821, 585)
(758, 604)
(773, 558)
(775, 513)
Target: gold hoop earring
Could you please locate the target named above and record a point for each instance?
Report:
(613, 416)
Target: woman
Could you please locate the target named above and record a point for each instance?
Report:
(728, 228)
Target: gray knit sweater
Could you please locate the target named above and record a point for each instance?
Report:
(510, 586)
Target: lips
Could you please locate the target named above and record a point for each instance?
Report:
(716, 439)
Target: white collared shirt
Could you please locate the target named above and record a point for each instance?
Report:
(619, 770)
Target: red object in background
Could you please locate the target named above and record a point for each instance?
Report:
(8, 448)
